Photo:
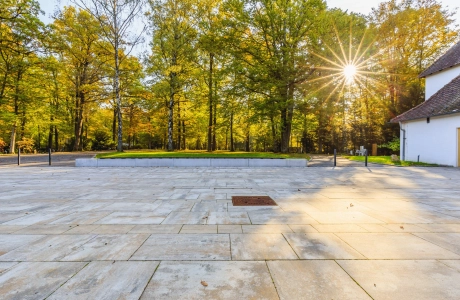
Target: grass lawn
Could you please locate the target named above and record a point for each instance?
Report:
(198, 154)
(386, 160)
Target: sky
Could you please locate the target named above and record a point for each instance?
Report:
(359, 6)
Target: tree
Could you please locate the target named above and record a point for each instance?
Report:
(76, 39)
(171, 62)
(274, 39)
(116, 18)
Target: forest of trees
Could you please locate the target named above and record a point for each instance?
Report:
(238, 75)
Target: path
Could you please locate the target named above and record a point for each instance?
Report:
(173, 233)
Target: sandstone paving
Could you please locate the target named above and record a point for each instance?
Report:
(107, 247)
(45, 229)
(11, 242)
(321, 246)
(211, 280)
(409, 279)
(337, 228)
(132, 217)
(115, 280)
(228, 218)
(260, 247)
(449, 241)
(395, 246)
(6, 265)
(156, 229)
(88, 217)
(198, 229)
(184, 247)
(313, 280)
(229, 229)
(183, 221)
(36, 280)
(47, 248)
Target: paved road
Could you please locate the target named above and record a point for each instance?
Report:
(58, 159)
(173, 233)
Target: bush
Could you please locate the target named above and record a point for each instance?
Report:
(393, 145)
(2, 146)
(26, 145)
(102, 141)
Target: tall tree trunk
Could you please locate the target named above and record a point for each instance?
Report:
(116, 79)
(50, 135)
(79, 102)
(114, 124)
(179, 127)
(183, 136)
(56, 139)
(171, 121)
(246, 142)
(214, 126)
(13, 139)
(210, 104)
(275, 145)
(232, 147)
(287, 114)
(16, 114)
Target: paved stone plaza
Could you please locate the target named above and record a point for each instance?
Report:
(172, 233)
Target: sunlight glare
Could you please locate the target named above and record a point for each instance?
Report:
(349, 71)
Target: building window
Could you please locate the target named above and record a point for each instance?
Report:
(428, 120)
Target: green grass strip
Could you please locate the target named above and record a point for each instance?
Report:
(200, 154)
(386, 160)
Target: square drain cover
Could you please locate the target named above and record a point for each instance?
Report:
(252, 201)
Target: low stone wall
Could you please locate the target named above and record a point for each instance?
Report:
(191, 162)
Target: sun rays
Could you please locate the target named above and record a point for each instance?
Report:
(349, 67)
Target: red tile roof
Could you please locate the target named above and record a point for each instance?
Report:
(445, 101)
(450, 59)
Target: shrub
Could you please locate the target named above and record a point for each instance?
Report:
(393, 145)
(26, 145)
(2, 146)
(102, 141)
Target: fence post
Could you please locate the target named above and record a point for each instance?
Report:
(49, 156)
(19, 156)
(335, 157)
(366, 158)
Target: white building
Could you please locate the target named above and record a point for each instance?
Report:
(430, 131)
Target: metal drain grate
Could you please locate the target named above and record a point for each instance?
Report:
(252, 201)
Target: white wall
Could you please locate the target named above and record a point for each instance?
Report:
(438, 80)
(435, 142)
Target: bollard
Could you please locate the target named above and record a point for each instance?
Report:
(366, 158)
(335, 157)
(19, 156)
(49, 156)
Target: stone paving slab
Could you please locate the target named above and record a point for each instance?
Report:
(131, 218)
(381, 216)
(313, 280)
(321, 246)
(115, 280)
(395, 246)
(107, 247)
(184, 247)
(48, 248)
(36, 280)
(224, 280)
(11, 242)
(413, 279)
(260, 247)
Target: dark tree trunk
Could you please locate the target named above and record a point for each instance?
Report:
(232, 147)
(179, 127)
(56, 139)
(210, 103)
